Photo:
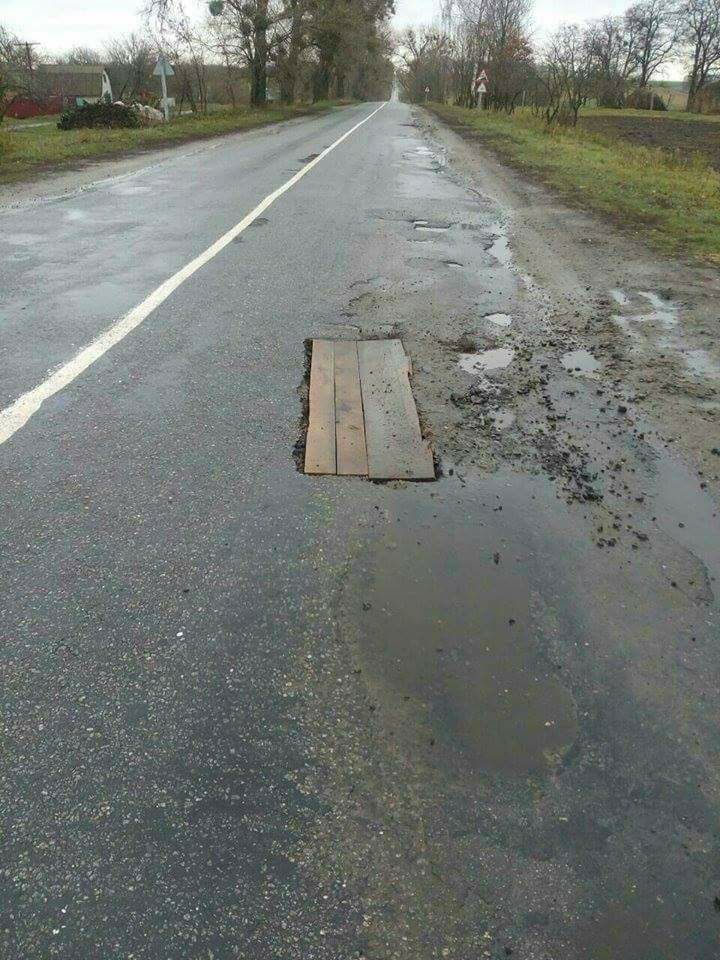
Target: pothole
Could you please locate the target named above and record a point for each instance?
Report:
(581, 361)
(499, 319)
(430, 226)
(502, 419)
(701, 363)
(496, 359)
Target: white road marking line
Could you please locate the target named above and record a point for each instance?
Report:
(15, 416)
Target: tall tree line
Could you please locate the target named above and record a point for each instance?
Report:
(613, 59)
(333, 47)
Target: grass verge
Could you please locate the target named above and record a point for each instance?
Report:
(32, 150)
(673, 204)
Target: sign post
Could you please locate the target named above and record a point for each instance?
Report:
(480, 87)
(427, 93)
(164, 70)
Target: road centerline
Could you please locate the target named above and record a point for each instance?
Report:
(17, 414)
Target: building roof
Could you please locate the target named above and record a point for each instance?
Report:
(72, 79)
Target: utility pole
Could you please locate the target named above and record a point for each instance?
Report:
(28, 47)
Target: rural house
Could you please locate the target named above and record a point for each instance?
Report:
(52, 87)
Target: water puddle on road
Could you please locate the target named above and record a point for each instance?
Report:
(447, 632)
(581, 361)
(426, 226)
(687, 513)
(701, 363)
(620, 297)
(500, 250)
(499, 319)
(496, 359)
(502, 419)
(664, 312)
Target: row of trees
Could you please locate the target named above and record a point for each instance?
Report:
(613, 59)
(313, 49)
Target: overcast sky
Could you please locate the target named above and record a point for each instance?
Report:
(60, 24)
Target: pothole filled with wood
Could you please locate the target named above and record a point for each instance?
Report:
(362, 419)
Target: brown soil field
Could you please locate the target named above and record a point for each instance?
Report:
(684, 137)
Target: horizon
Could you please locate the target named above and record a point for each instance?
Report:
(57, 29)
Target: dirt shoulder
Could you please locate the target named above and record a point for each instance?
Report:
(660, 197)
(649, 321)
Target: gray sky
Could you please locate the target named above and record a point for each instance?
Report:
(60, 24)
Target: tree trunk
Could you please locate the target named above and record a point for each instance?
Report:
(288, 74)
(321, 80)
(258, 90)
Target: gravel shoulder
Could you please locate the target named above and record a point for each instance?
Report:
(651, 322)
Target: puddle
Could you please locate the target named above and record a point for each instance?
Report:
(580, 361)
(430, 227)
(496, 359)
(679, 499)
(502, 419)
(701, 363)
(664, 311)
(448, 632)
(499, 319)
(625, 325)
(500, 249)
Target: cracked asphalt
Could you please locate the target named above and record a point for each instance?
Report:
(252, 714)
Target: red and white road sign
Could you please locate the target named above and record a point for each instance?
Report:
(480, 82)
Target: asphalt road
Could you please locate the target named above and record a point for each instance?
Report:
(248, 713)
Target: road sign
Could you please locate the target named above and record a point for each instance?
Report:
(163, 68)
(481, 88)
(483, 75)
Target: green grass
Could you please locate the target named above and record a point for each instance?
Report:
(26, 152)
(673, 204)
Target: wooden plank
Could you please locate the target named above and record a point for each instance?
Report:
(320, 455)
(395, 446)
(349, 421)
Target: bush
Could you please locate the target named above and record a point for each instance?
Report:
(645, 100)
(99, 115)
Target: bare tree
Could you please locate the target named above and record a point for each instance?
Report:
(81, 55)
(567, 74)
(613, 47)
(700, 33)
(425, 54)
(129, 61)
(19, 77)
(654, 27)
(183, 41)
(247, 31)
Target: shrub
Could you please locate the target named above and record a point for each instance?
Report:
(645, 100)
(99, 115)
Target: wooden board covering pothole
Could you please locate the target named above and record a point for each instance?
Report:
(363, 421)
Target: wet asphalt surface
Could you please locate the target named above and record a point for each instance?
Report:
(252, 714)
